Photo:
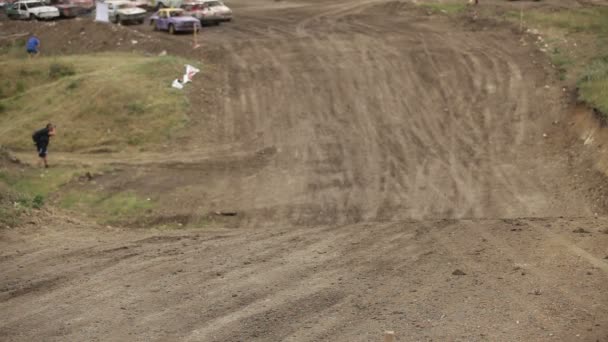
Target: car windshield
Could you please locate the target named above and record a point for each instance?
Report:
(121, 6)
(175, 13)
(213, 3)
(34, 4)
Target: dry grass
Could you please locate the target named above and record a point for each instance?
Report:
(107, 101)
(577, 41)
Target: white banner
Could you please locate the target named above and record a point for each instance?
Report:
(101, 12)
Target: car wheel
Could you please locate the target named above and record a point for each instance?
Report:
(171, 29)
(152, 23)
(32, 17)
(140, 21)
(216, 23)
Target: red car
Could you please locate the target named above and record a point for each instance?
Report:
(72, 8)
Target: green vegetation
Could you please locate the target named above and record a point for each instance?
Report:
(98, 102)
(561, 62)
(37, 182)
(11, 209)
(24, 189)
(112, 206)
(593, 85)
(577, 41)
(447, 8)
(58, 70)
(582, 20)
(108, 101)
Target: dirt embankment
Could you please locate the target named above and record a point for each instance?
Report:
(390, 170)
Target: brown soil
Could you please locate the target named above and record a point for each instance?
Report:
(370, 152)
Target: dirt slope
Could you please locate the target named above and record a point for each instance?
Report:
(370, 151)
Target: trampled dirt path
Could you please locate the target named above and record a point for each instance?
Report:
(370, 151)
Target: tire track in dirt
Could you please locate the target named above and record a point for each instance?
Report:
(311, 284)
(413, 119)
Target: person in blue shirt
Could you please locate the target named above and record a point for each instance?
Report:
(33, 43)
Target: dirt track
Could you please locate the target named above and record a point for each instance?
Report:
(370, 151)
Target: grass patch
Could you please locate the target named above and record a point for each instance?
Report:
(102, 100)
(11, 211)
(576, 40)
(587, 20)
(446, 8)
(562, 62)
(112, 207)
(593, 85)
(37, 182)
(59, 70)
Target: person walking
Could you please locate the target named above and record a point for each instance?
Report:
(32, 46)
(42, 138)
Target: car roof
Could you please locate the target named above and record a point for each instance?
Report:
(29, 1)
(198, 2)
(170, 9)
(117, 2)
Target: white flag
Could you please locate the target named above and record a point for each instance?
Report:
(190, 72)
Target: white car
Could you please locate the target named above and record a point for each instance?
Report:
(208, 11)
(31, 9)
(125, 11)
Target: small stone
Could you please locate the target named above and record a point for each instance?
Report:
(580, 231)
(458, 272)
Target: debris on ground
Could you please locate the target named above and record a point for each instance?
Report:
(581, 231)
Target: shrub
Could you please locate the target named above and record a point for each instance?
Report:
(135, 108)
(58, 70)
(593, 85)
(19, 87)
(38, 202)
(73, 85)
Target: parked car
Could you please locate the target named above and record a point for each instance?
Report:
(72, 8)
(145, 4)
(5, 3)
(31, 9)
(208, 11)
(160, 4)
(125, 11)
(174, 20)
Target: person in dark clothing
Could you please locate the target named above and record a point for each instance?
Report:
(42, 138)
